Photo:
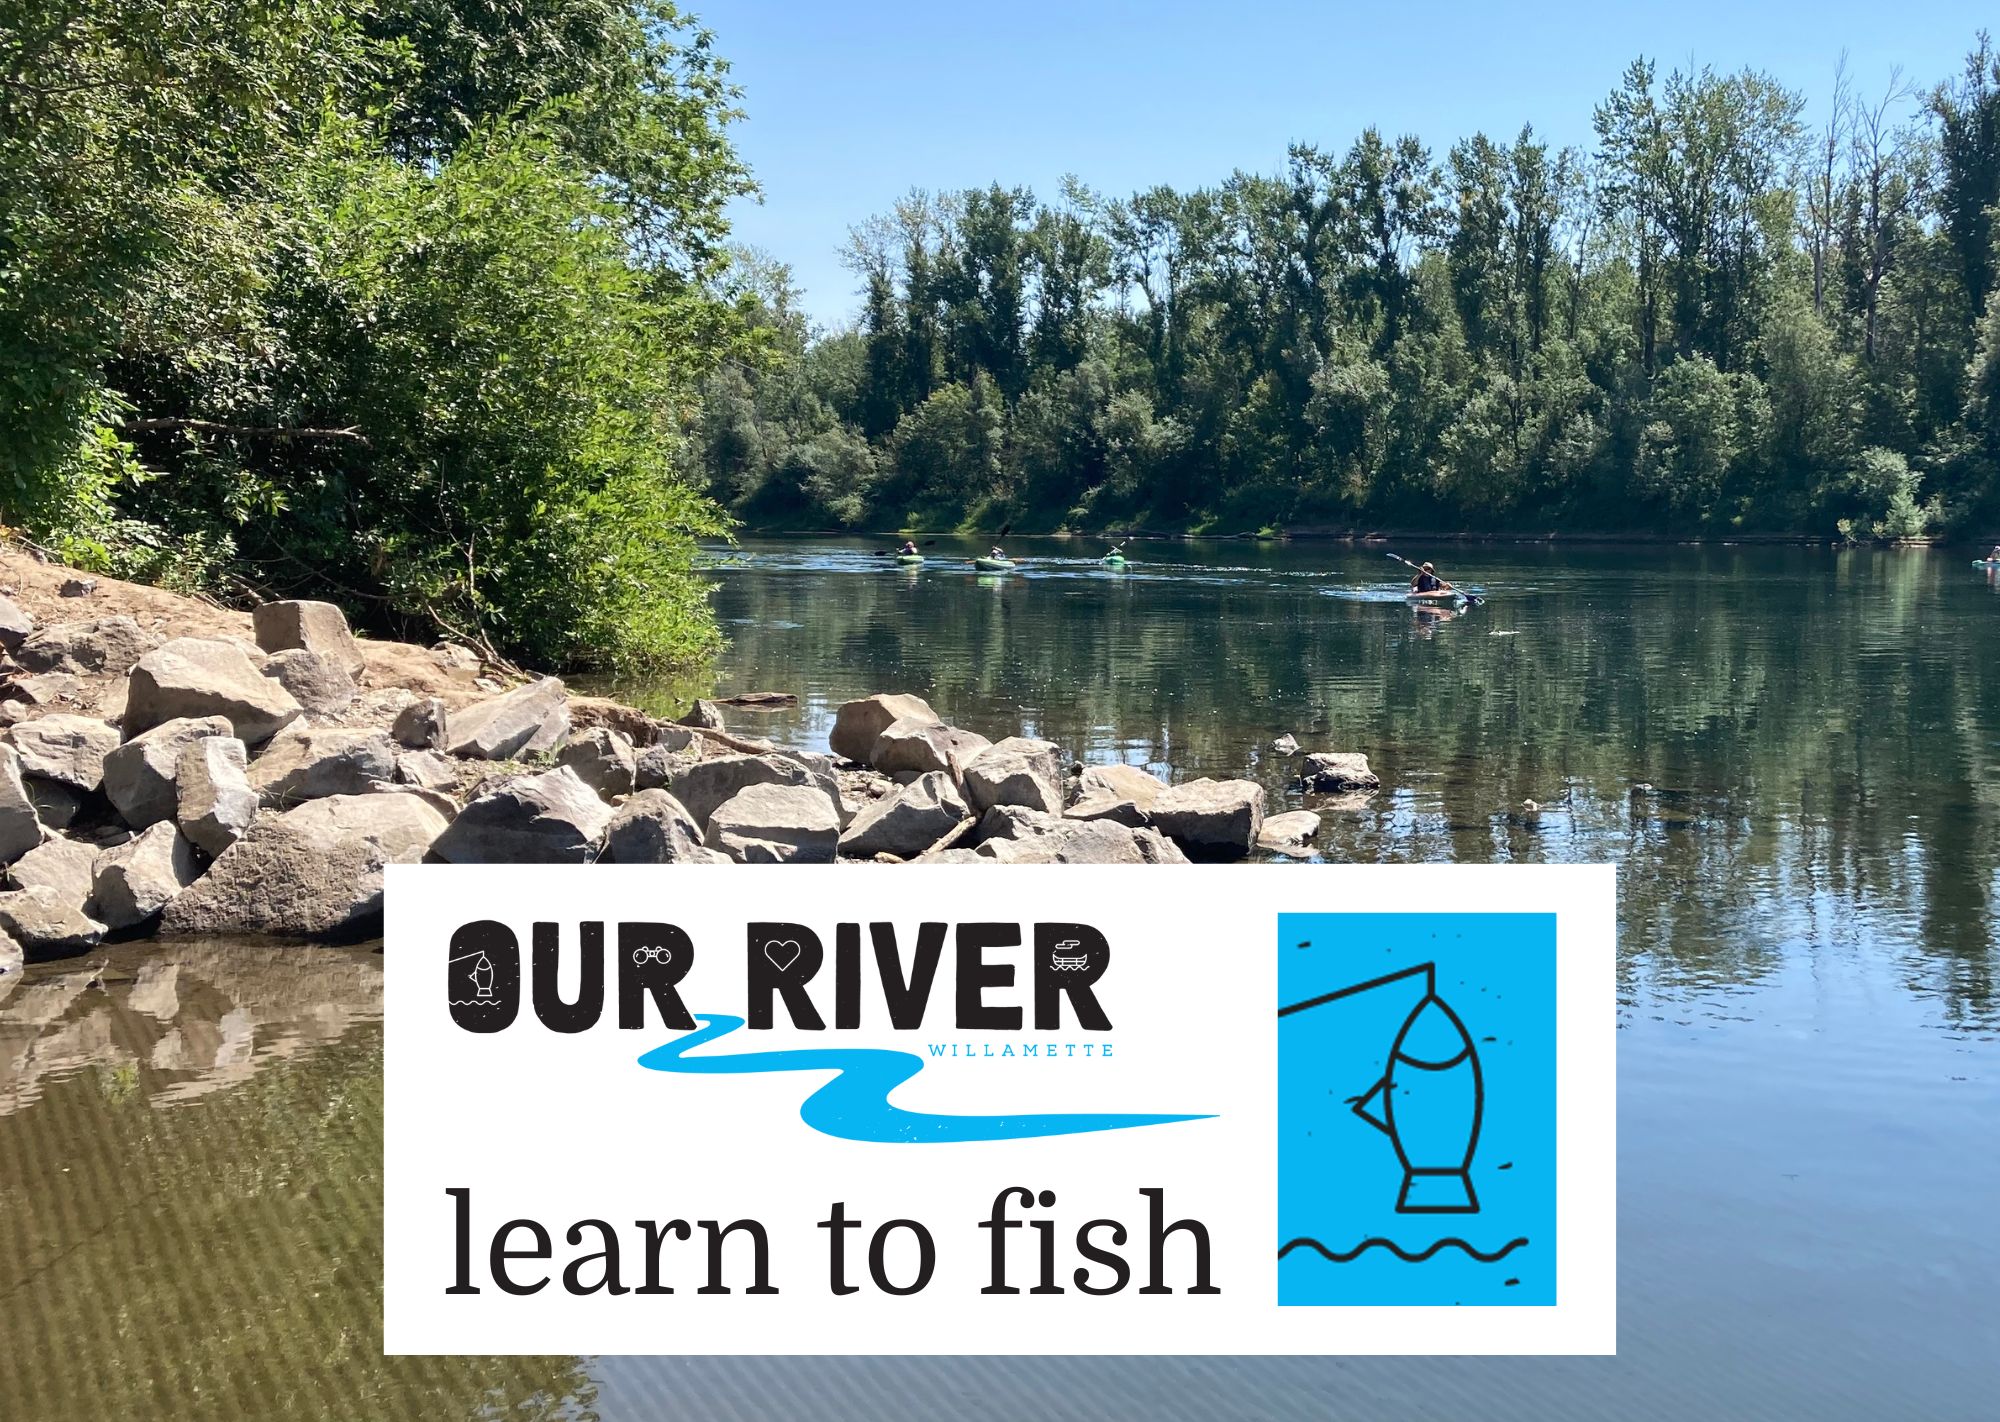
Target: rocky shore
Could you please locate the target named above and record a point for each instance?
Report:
(172, 768)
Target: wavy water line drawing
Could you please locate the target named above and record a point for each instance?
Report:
(855, 1105)
(1335, 1256)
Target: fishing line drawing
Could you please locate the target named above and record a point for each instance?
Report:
(480, 976)
(1429, 1100)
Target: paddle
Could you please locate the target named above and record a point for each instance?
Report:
(897, 552)
(1471, 599)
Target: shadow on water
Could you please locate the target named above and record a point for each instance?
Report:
(1792, 754)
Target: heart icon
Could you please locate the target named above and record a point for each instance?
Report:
(782, 954)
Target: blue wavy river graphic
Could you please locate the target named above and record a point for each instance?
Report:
(855, 1105)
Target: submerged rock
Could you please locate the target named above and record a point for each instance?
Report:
(1289, 833)
(1331, 772)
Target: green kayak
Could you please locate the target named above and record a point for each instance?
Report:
(994, 565)
(909, 560)
(1443, 597)
(1114, 560)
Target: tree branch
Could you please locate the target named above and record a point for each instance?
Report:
(352, 432)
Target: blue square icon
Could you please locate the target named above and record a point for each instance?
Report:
(1417, 1108)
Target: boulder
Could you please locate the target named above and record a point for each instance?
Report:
(551, 818)
(1287, 744)
(603, 759)
(1104, 806)
(42, 918)
(141, 777)
(1015, 822)
(316, 682)
(318, 627)
(16, 626)
(458, 663)
(1119, 782)
(1084, 842)
(12, 956)
(1331, 772)
(421, 725)
(782, 824)
(705, 784)
(67, 749)
(427, 770)
(44, 690)
(305, 764)
(310, 872)
(705, 714)
(821, 768)
(908, 822)
(196, 676)
(858, 724)
(1216, 818)
(77, 587)
(1289, 833)
(512, 723)
(64, 865)
(133, 882)
(652, 827)
(657, 765)
(107, 646)
(916, 743)
(20, 826)
(1016, 771)
(215, 804)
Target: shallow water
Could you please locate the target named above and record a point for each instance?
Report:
(1794, 754)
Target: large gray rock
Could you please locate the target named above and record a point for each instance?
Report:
(1084, 842)
(652, 827)
(306, 764)
(603, 759)
(308, 626)
(195, 676)
(1331, 772)
(427, 770)
(516, 722)
(215, 805)
(64, 865)
(1103, 806)
(421, 725)
(1016, 771)
(43, 918)
(1289, 833)
(16, 626)
(1119, 782)
(141, 777)
(311, 872)
(20, 826)
(658, 764)
(909, 821)
(1214, 818)
(106, 646)
(551, 818)
(140, 877)
(775, 824)
(316, 682)
(916, 743)
(69, 750)
(858, 724)
(705, 784)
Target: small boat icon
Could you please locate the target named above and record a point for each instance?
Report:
(1429, 1101)
(1063, 962)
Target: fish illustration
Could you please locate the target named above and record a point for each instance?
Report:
(1429, 1101)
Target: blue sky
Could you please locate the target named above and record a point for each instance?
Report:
(852, 105)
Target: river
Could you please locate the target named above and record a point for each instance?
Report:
(1794, 755)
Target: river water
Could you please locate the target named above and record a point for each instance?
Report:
(1793, 755)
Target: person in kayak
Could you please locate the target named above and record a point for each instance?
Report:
(998, 555)
(1427, 581)
(909, 546)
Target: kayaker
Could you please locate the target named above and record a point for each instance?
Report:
(998, 555)
(909, 546)
(1427, 581)
(1994, 556)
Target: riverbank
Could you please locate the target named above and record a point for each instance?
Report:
(1373, 536)
(172, 768)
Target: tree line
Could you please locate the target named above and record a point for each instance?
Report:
(1726, 315)
(404, 303)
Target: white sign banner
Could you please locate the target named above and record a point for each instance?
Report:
(1021, 1109)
